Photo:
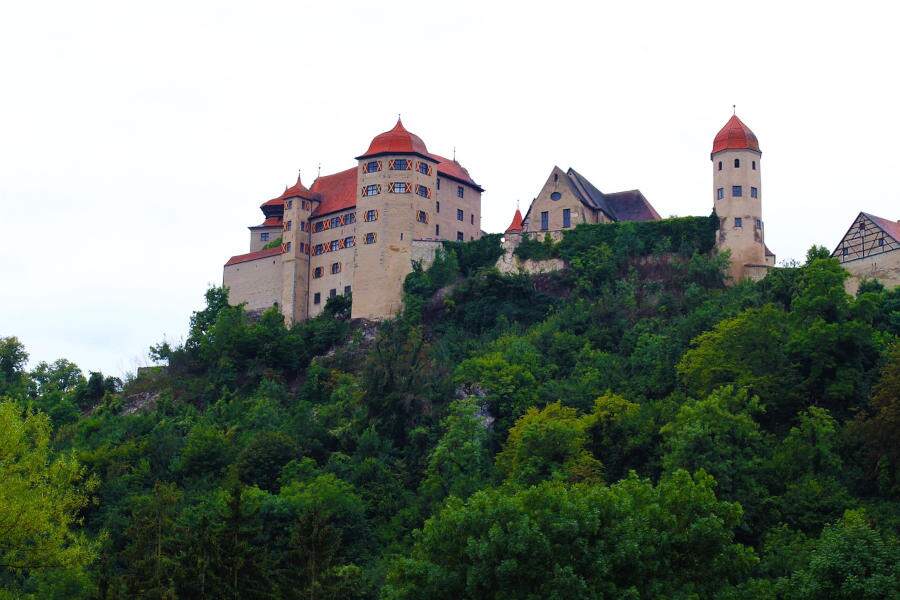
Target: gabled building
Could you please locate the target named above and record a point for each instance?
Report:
(357, 230)
(568, 198)
(870, 250)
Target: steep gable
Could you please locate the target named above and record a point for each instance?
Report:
(867, 236)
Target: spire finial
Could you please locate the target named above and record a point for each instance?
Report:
(398, 116)
(454, 153)
(734, 109)
(319, 171)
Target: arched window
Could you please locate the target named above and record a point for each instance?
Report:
(737, 163)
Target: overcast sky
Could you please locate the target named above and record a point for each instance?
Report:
(137, 140)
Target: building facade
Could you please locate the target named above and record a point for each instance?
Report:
(870, 250)
(568, 199)
(737, 200)
(356, 231)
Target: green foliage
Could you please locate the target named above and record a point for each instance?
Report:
(629, 540)
(456, 451)
(531, 248)
(273, 244)
(41, 498)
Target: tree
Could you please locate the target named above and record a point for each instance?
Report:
(460, 463)
(548, 444)
(719, 435)
(13, 358)
(260, 462)
(850, 560)
(151, 552)
(42, 494)
(559, 541)
(619, 434)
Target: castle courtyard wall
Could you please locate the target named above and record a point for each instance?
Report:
(256, 282)
(883, 267)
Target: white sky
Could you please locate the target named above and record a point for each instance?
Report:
(138, 139)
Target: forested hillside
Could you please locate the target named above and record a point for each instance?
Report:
(629, 427)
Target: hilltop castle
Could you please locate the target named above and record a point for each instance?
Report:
(358, 230)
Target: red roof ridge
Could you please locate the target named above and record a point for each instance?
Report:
(264, 253)
(892, 228)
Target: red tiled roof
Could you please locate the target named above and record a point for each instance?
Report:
(453, 169)
(336, 192)
(396, 141)
(735, 136)
(892, 228)
(279, 201)
(516, 225)
(242, 258)
(298, 190)
(270, 222)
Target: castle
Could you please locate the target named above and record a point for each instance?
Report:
(568, 199)
(356, 231)
(360, 230)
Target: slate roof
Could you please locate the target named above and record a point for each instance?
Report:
(630, 205)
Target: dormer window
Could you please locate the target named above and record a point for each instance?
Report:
(737, 163)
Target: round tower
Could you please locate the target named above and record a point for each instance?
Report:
(737, 199)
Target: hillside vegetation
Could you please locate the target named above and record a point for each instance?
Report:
(630, 427)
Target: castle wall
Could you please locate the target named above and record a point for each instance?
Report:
(557, 182)
(345, 257)
(470, 204)
(256, 282)
(746, 242)
(883, 267)
(256, 241)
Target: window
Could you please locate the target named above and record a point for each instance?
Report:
(372, 190)
(319, 249)
(437, 207)
(881, 241)
(317, 298)
(287, 247)
(437, 230)
(317, 272)
(399, 164)
(302, 225)
(264, 236)
(759, 223)
(349, 242)
(754, 165)
(845, 251)
(335, 222)
(720, 193)
(346, 290)
(422, 217)
(460, 192)
(556, 177)
(332, 293)
(567, 217)
(545, 221)
(737, 163)
(754, 193)
(459, 236)
(555, 196)
(287, 226)
(738, 222)
(736, 191)
(319, 226)
(399, 187)
(460, 215)
(350, 218)
(472, 218)
(371, 215)
(439, 183)
(334, 245)
(423, 191)
(720, 165)
(862, 226)
(288, 203)
(423, 167)
(373, 166)
(370, 237)
(335, 268)
(302, 248)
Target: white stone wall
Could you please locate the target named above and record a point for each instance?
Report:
(883, 267)
(256, 282)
